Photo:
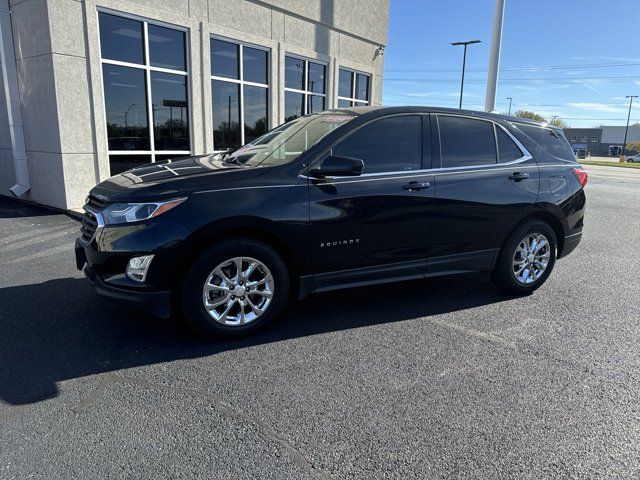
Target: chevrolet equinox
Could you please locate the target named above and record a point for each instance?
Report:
(339, 199)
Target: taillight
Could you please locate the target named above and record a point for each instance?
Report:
(581, 175)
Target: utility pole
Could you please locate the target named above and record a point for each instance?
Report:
(494, 60)
(624, 144)
(464, 62)
(510, 100)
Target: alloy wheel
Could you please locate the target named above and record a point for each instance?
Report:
(238, 291)
(531, 258)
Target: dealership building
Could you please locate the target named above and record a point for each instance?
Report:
(92, 88)
(606, 140)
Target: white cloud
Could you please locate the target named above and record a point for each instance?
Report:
(596, 106)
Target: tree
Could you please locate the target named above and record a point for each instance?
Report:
(531, 115)
(633, 147)
(555, 121)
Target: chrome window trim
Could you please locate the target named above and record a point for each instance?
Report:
(422, 172)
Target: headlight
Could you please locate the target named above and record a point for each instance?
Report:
(134, 212)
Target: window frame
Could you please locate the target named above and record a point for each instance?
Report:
(354, 102)
(425, 151)
(305, 93)
(148, 68)
(525, 153)
(595, 139)
(584, 138)
(241, 82)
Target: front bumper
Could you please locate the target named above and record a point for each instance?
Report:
(154, 302)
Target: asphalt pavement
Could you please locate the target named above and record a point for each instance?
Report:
(432, 379)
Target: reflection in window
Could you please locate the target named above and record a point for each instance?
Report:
(126, 108)
(255, 112)
(128, 104)
(122, 163)
(227, 81)
(294, 73)
(121, 39)
(254, 65)
(315, 104)
(226, 115)
(387, 145)
(508, 151)
(345, 84)
(167, 47)
(305, 87)
(353, 89)
(170, 111)
(224, 59)
(293, 105)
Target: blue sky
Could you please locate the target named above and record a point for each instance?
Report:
(573, 58)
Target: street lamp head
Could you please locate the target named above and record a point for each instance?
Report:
(469, 42)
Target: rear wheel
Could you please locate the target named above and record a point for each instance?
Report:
(526, 259)
(235, 288)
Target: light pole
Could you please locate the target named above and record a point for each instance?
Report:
(494, 59)
(464, 62)
(624, 144)
(510, 100)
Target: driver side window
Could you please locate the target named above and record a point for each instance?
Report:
(390, 144)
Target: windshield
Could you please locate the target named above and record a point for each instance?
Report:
(287, 142)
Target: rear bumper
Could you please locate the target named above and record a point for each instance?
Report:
(157, 304)
(570, 243)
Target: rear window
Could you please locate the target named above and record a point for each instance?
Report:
(552, 141)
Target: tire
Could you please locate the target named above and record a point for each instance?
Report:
(216, 267)
(505, 273)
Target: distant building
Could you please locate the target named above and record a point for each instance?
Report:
(613, 139)
(602, 141)
(584, 140)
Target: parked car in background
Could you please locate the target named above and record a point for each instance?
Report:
(344, 198)
(634, 158)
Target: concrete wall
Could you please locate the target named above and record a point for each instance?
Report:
(57, 54)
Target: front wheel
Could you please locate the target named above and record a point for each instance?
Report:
(235, 288)
(526, 259)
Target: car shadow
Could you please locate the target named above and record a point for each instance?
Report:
(12, 208)
(59, 329)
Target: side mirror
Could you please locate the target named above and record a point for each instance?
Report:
(334, 166)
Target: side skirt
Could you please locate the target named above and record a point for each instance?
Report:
(479, 261)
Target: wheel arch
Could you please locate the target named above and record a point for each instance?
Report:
(254, 228)
(549, 218)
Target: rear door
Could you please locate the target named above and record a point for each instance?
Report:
(375, 226)
(485, 183)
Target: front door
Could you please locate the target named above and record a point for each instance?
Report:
(486, 183)
(375, 226)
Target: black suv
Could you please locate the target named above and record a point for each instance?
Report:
(338, 199)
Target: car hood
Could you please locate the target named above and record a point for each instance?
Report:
(168, 179)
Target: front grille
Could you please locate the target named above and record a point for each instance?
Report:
(96, 203)
(89, 226)
(89, 221)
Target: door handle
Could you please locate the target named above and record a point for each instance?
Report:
(517, 176)
(415, 186)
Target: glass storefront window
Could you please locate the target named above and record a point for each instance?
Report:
(138, 88)
(353, 89)
(304, 87)
(240, 96)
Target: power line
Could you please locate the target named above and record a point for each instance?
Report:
(517, 104)
(510, 69)
(519, 80)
